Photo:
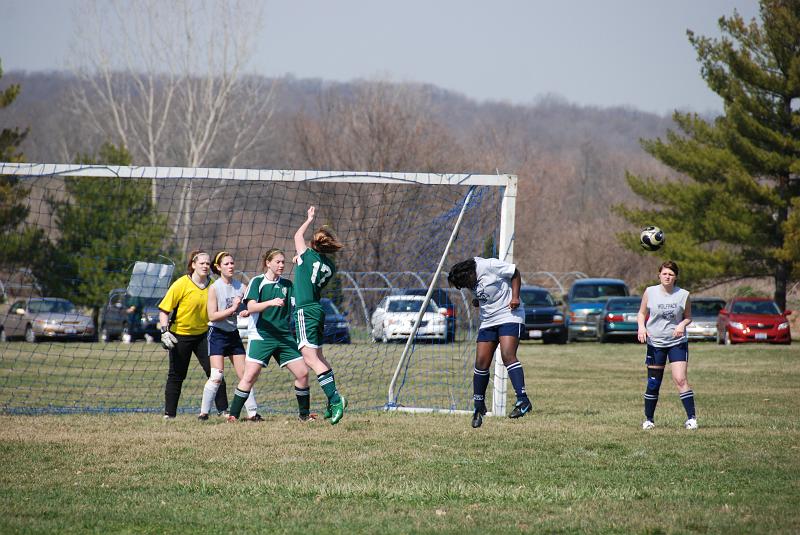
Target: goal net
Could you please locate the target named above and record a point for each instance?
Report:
(89, 238)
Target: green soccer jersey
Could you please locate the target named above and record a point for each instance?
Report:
(272, 321)
(314, 271)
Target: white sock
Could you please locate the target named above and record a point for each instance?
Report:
(250, 403)
(210, 390)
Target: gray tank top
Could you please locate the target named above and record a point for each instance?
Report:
(226, 293)
(666, 312)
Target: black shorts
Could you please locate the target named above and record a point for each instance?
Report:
(658, 356)
(493, 333)
(225, 343)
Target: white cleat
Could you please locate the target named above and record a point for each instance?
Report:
(691, 423)
(647, 424)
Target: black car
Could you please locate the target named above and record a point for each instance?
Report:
(544, 318)
(117, 323)
(442, 300)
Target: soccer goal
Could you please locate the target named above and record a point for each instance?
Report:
(83, 229)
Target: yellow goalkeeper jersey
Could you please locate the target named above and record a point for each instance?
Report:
(190, 303)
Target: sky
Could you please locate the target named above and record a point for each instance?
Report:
(631, 53)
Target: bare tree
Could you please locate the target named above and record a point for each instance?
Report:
(380, 127)
(165, 79)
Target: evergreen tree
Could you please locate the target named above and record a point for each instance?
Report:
(732, 215)
(106, 225)
(20, 245)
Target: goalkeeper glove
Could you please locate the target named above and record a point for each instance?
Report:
(168, 339)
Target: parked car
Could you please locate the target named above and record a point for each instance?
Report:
(544, 318)
(585, 299)
(41, 318)
(442, 299)
(395, 315)
(617, 319)
(114, 318)
(704, 318)
(335, 331)
(753, 319)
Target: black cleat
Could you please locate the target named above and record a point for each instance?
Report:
(256, 418)
(521, 408)
(203, 417)
(477, 417)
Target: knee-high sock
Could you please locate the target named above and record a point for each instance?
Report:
(250, 403)
(687, 398)
(210, 390)
(654, 377)
(303, 400)
(328, 385)
(517, 377)
(239, 397)
(480, 380)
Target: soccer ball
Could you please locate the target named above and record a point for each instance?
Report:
(651, 238)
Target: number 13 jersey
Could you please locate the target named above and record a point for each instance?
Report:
(314, 271)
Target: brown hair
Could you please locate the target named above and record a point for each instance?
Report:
(324, 241)
(270, 254)
(217, 259)
(669, 264)
(192, 257)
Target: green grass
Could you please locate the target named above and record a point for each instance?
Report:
(579, 464)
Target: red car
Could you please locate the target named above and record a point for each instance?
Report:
(753, 319)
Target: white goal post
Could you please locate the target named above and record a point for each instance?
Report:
(175, 178)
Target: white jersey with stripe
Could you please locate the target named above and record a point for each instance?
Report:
(494, 292)
(226, 293)
(665, 313)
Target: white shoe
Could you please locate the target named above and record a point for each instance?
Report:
(691, 423)
(647, 424)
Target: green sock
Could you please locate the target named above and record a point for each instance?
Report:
(328, 384)
(303, 400)
(239, 397)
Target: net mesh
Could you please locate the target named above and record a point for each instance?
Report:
(92, 240)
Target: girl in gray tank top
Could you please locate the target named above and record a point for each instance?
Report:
(667, 310)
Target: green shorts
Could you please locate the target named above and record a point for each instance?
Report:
(282, 348)
(310, 321)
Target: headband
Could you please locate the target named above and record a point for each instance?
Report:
(220, 255)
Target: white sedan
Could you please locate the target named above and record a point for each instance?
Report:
(394, 318)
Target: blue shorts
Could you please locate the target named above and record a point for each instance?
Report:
(657, 356)
(493, 333)
(225, 343)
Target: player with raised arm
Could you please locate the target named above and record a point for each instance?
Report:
(667, 310)
(268, 297)
(496, 287)
(314, 270)
(225, 296)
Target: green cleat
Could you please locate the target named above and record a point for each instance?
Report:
(327, 413)
(337, 410)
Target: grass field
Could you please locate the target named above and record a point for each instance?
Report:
(579, 464)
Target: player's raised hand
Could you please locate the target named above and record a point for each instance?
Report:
(311, 211)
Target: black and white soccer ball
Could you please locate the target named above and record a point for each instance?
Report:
(651, 238)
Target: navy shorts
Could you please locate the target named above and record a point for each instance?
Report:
(657, 356)
(493, 333)
(225, 343)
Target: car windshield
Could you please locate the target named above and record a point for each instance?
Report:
(594, 291)
(707, 308)
(408, 305)
(624, 306)
(48, 306)
(755, 307)
(536, 298)
(439, 295)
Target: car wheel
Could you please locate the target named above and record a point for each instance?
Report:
(30, 336)
(3, 336)
(562, 338)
